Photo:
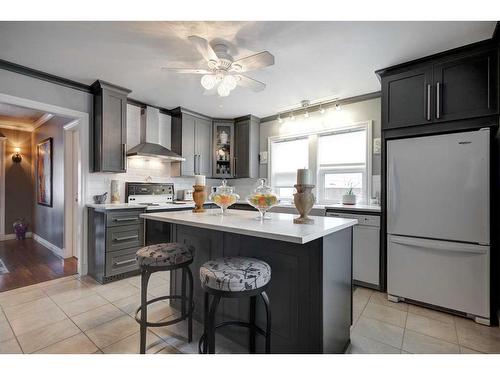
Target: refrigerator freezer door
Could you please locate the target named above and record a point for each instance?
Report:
(441, 273)
(438, 187)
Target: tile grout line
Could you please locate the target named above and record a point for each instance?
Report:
(13, 333)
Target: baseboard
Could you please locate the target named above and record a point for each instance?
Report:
(42, 241)
(12, 236)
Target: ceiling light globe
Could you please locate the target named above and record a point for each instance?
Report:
(230, 82)
(208, 81)
(223, 90)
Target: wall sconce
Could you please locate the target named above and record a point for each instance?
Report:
(17, 158)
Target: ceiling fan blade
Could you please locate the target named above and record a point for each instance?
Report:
(258, 61)
(203, 47)
(187, 70)
(250, 83)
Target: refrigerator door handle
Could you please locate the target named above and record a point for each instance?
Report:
(438, 245)
(392, 201)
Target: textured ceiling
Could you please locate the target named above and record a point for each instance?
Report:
(313, 59)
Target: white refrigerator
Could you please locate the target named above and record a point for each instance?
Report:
(438, 221)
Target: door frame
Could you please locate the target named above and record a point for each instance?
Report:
(2, 187)
(80, 122)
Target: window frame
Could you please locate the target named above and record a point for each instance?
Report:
(318, 173)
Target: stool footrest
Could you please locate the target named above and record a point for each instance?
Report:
(230, 323)
(173, 321)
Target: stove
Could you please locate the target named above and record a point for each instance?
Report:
(157, 197)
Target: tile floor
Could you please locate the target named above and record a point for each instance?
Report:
(381, 326)
(78, 315)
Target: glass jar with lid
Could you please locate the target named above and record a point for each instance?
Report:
(263, 198)
(224, 196)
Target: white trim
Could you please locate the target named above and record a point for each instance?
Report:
(13, 126)
(2, 187)
(42, 241)
(84, 128)
(12, 236)
(42, 120)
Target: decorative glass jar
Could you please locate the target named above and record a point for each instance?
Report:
(263, 198)
(224, 196)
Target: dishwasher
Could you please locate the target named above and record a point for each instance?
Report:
(365, 248)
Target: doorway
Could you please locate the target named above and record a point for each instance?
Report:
(72, 248)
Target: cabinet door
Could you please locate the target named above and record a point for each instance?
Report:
(223, 150)
(406, 98)
(366, 254)
(242, 149)
(114, 131)
(466, 87)
(188, 148)
(203, 147)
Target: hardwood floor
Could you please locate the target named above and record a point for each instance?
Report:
(30, 263)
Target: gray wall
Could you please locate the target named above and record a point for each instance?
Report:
(18, 179)
(48, 222)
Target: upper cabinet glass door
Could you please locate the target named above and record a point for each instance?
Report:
(223, 165)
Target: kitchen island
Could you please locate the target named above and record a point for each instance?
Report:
(310, 289)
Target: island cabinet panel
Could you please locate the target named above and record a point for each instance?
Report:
(109, 131)
(311, 307)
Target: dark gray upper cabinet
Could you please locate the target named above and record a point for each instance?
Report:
(110, 127)
(466, 87)
(246, 147)
(456, 85)
(191, 138)
(406, 98)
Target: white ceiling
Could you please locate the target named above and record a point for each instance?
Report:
(313, 59)
(16, 117)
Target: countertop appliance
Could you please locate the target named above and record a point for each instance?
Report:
(438, 221)
(157, 197)
(187, 194)
(365, 248)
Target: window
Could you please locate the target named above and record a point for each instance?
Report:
(340, 159)
(286, 157)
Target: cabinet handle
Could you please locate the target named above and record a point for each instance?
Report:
(126, 238)
(234, 165)
(428, 102)
(124, 155)
(199, 163)
(120, 219)
(438, 101)
(121, 263)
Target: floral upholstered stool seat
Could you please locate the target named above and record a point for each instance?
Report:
(235, 277)
(165, 257)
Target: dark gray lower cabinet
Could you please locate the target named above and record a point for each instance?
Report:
(309, 291)
(114, 236)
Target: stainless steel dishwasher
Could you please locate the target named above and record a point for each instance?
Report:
(365, 248)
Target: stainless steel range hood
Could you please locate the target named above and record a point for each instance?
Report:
(150, 132)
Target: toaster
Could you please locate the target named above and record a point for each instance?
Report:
(187, 194)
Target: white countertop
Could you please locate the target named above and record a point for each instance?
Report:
(353, 207)
(114, 206)
(280, 227)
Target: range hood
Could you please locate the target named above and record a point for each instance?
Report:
(150, 134)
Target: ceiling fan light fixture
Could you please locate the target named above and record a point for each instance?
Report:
(229, 81)
(208, 81)
(223, 90)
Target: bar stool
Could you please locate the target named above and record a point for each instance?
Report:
(165, 257)
(234, 277)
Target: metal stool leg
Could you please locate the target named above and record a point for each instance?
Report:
(265, 298)
(252, 332)
(190, 304)
(183, 292)
(206, 304)
(211, 324)
(145, 274)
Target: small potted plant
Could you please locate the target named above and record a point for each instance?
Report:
(349, 197)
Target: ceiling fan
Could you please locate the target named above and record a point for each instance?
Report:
(223, 72)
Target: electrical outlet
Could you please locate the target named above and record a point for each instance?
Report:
(377, 145)
(263, 157)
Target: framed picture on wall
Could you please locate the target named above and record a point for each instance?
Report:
(44, 172)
